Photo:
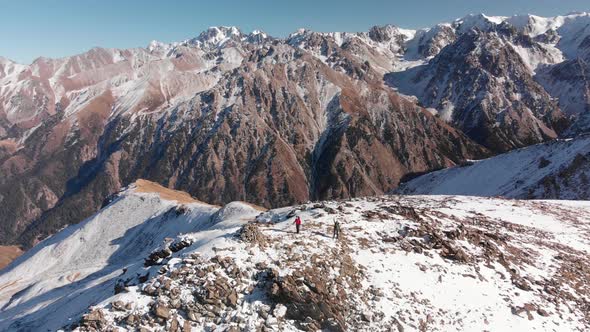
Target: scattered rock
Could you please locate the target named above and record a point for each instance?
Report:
(251, 234)
(95, 319)
(232, 299)
(132, 319)
(542, 312)
(162, 311)
(179, 245)
(119, 305)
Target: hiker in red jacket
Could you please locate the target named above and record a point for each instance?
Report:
(297, 223)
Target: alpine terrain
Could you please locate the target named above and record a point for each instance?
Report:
(440, 178)
(157, 260)
(277, 121)
(225, 116)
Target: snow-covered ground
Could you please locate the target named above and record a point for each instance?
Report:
(558, 169)
(408, 262)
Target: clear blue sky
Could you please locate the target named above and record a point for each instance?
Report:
(55, 28)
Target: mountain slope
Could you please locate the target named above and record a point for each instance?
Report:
(91, 254)
(225, 116)
(502, 73)
(402, 262)
(555, 170)
(234, 116)
(481, 84)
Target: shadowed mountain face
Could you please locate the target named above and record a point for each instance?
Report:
(263, 122)
(482, 85)
(506, 82)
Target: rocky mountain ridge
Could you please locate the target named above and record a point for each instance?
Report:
(219, 116)
(147, 261)
(278, 121)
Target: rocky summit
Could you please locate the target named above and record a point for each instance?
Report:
(153, 260)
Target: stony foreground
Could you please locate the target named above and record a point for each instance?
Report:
(402, 264)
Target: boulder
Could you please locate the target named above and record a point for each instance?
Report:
(118, 305)
(161, 311)
(95, 319)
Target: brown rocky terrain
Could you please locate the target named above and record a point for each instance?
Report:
(267, 123)
(8, 254)
(231, 116)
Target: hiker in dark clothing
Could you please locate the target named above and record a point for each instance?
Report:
(297, 223)
(336, 229)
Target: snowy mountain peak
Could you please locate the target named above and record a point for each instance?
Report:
(156, 45)
(9, 68)
(222, 31)
(257, 37)
(479, 21)
(217, 36)
(4, 61)
(578, 13)
(213, 37)
(299, 37)
(299, 32)
(390, 32)
(258, 33)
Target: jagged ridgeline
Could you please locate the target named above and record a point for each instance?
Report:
(232, 116)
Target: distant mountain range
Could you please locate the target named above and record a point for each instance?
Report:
(278, 121)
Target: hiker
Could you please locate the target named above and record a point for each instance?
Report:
(297, 223)
(336, 229)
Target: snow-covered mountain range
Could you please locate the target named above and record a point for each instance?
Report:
(154, 259)
(277, 121)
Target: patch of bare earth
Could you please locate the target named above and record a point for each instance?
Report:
(145, 186)
(8, 254)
